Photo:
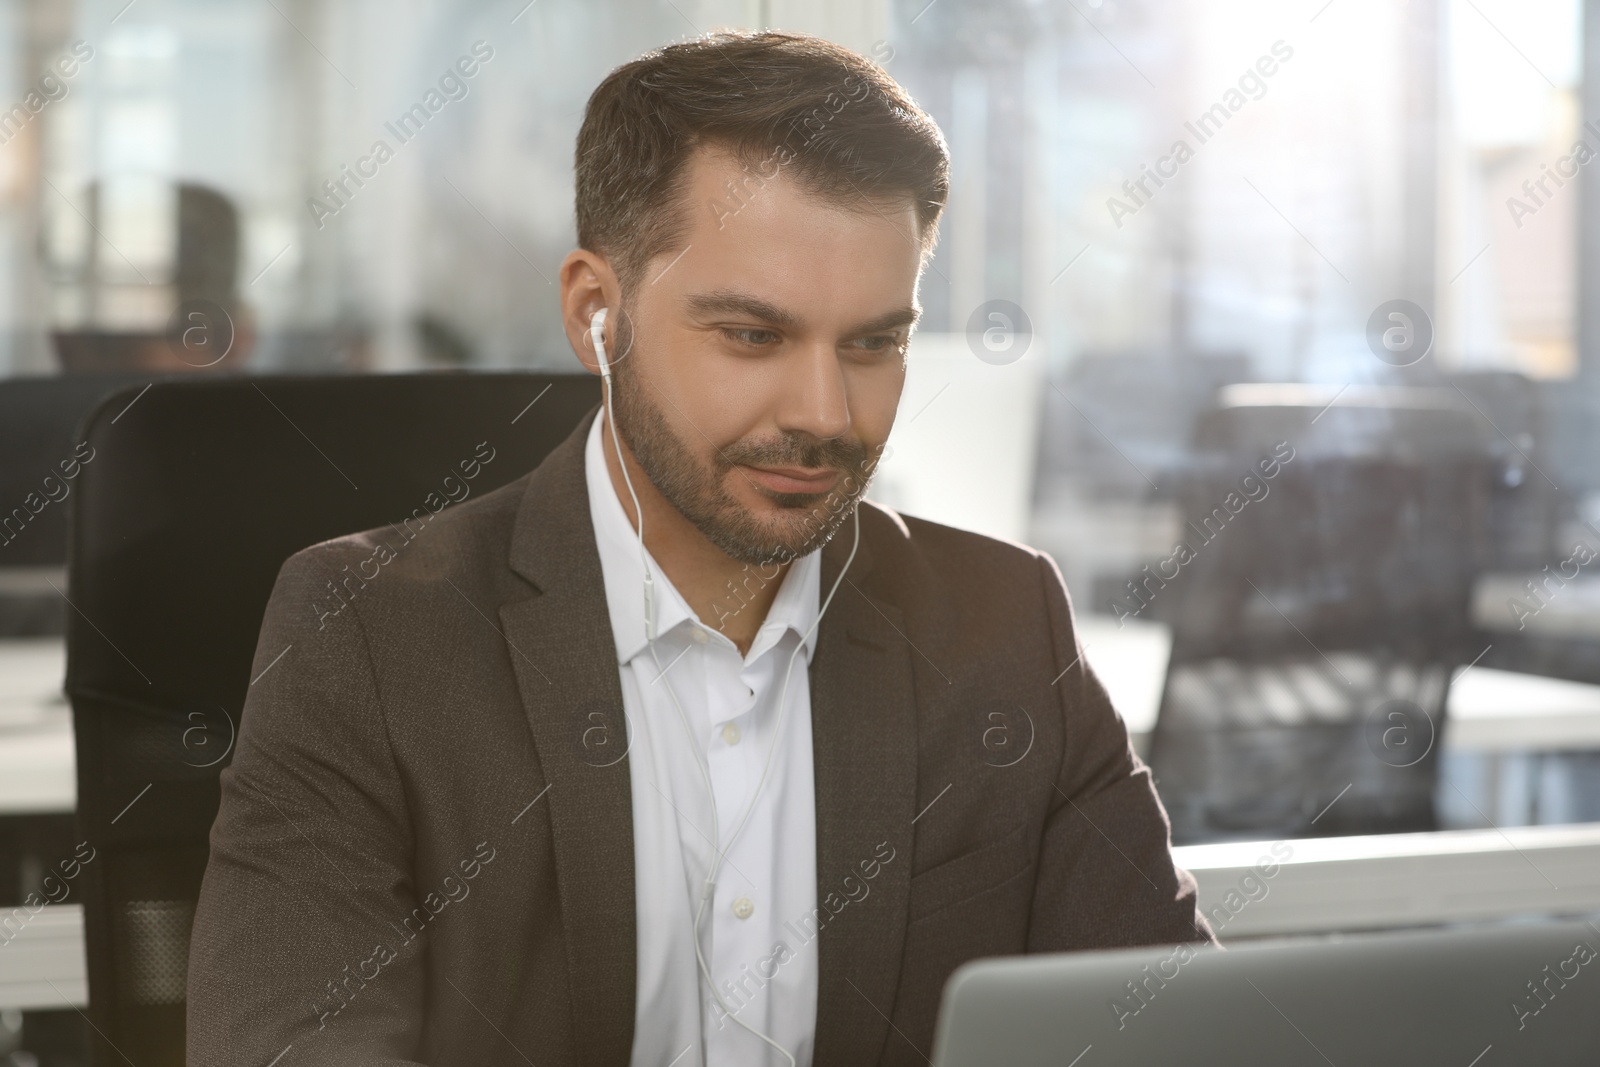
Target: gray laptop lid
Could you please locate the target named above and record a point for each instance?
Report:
(1481, 997)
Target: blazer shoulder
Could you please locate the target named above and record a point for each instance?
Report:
(969, 601)
(959, 581)
(947, 549)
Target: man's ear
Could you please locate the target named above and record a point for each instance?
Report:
(587, 284)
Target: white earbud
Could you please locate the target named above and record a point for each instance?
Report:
(597, 334)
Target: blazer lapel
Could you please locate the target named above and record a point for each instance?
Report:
(863, 714)
(864, 742)
(562, 650)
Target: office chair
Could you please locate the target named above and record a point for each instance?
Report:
(199, 490)
(1316, 631)
(38, 417)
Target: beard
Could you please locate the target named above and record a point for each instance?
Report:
(802, 522)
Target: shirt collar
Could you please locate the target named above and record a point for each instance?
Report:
(794, 608)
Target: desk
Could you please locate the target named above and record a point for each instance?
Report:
(1489, 711)
(1322, 885)
(46, 948)
(1501, 711)
(1501, 602)
(1390, 880)
(38, 775)
(38, 763)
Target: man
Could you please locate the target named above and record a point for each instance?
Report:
(497, 811)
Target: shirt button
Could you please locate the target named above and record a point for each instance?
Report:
(730, 734)
(700, 637)
(743, 908)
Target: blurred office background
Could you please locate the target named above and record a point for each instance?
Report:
(1265, 318)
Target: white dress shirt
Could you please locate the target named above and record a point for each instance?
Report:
(757, 934)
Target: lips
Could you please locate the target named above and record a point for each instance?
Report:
(795, 479)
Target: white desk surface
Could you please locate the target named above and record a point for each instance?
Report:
(1320, 885)
(42, 964)
(1392, 880)
(1490, 710)
(38, 764)
(1569, 608)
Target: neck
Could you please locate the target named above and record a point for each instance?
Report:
(725, 594)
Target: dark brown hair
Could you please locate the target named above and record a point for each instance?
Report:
(833, 120)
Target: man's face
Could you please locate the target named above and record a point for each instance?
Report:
(757, 373)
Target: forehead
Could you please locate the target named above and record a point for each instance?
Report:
(754, 226)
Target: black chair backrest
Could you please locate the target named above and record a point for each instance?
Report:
(197, 493)
(38, 420)
(1316, 629)
(39, 462)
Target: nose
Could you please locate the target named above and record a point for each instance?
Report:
(814, 400)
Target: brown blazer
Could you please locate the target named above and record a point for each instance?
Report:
(424, 852)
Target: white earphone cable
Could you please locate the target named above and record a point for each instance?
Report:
(708, 888)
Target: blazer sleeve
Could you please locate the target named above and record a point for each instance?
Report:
(310, 863)
(1106, 875)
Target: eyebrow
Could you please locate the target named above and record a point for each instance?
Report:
(731, 301)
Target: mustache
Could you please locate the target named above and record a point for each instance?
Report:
(793, 450)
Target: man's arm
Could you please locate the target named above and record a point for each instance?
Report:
(1106, 876)
(310, 856)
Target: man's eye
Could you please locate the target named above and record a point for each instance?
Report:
(877, 343)
(755, 338)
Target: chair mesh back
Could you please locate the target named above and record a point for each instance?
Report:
(1266, 747)
(1315, 631)
(155, 944)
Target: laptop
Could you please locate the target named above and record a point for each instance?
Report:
(1514, 994)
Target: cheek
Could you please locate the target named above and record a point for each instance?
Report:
(711, 400)
(707, 396)
(874, 394)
